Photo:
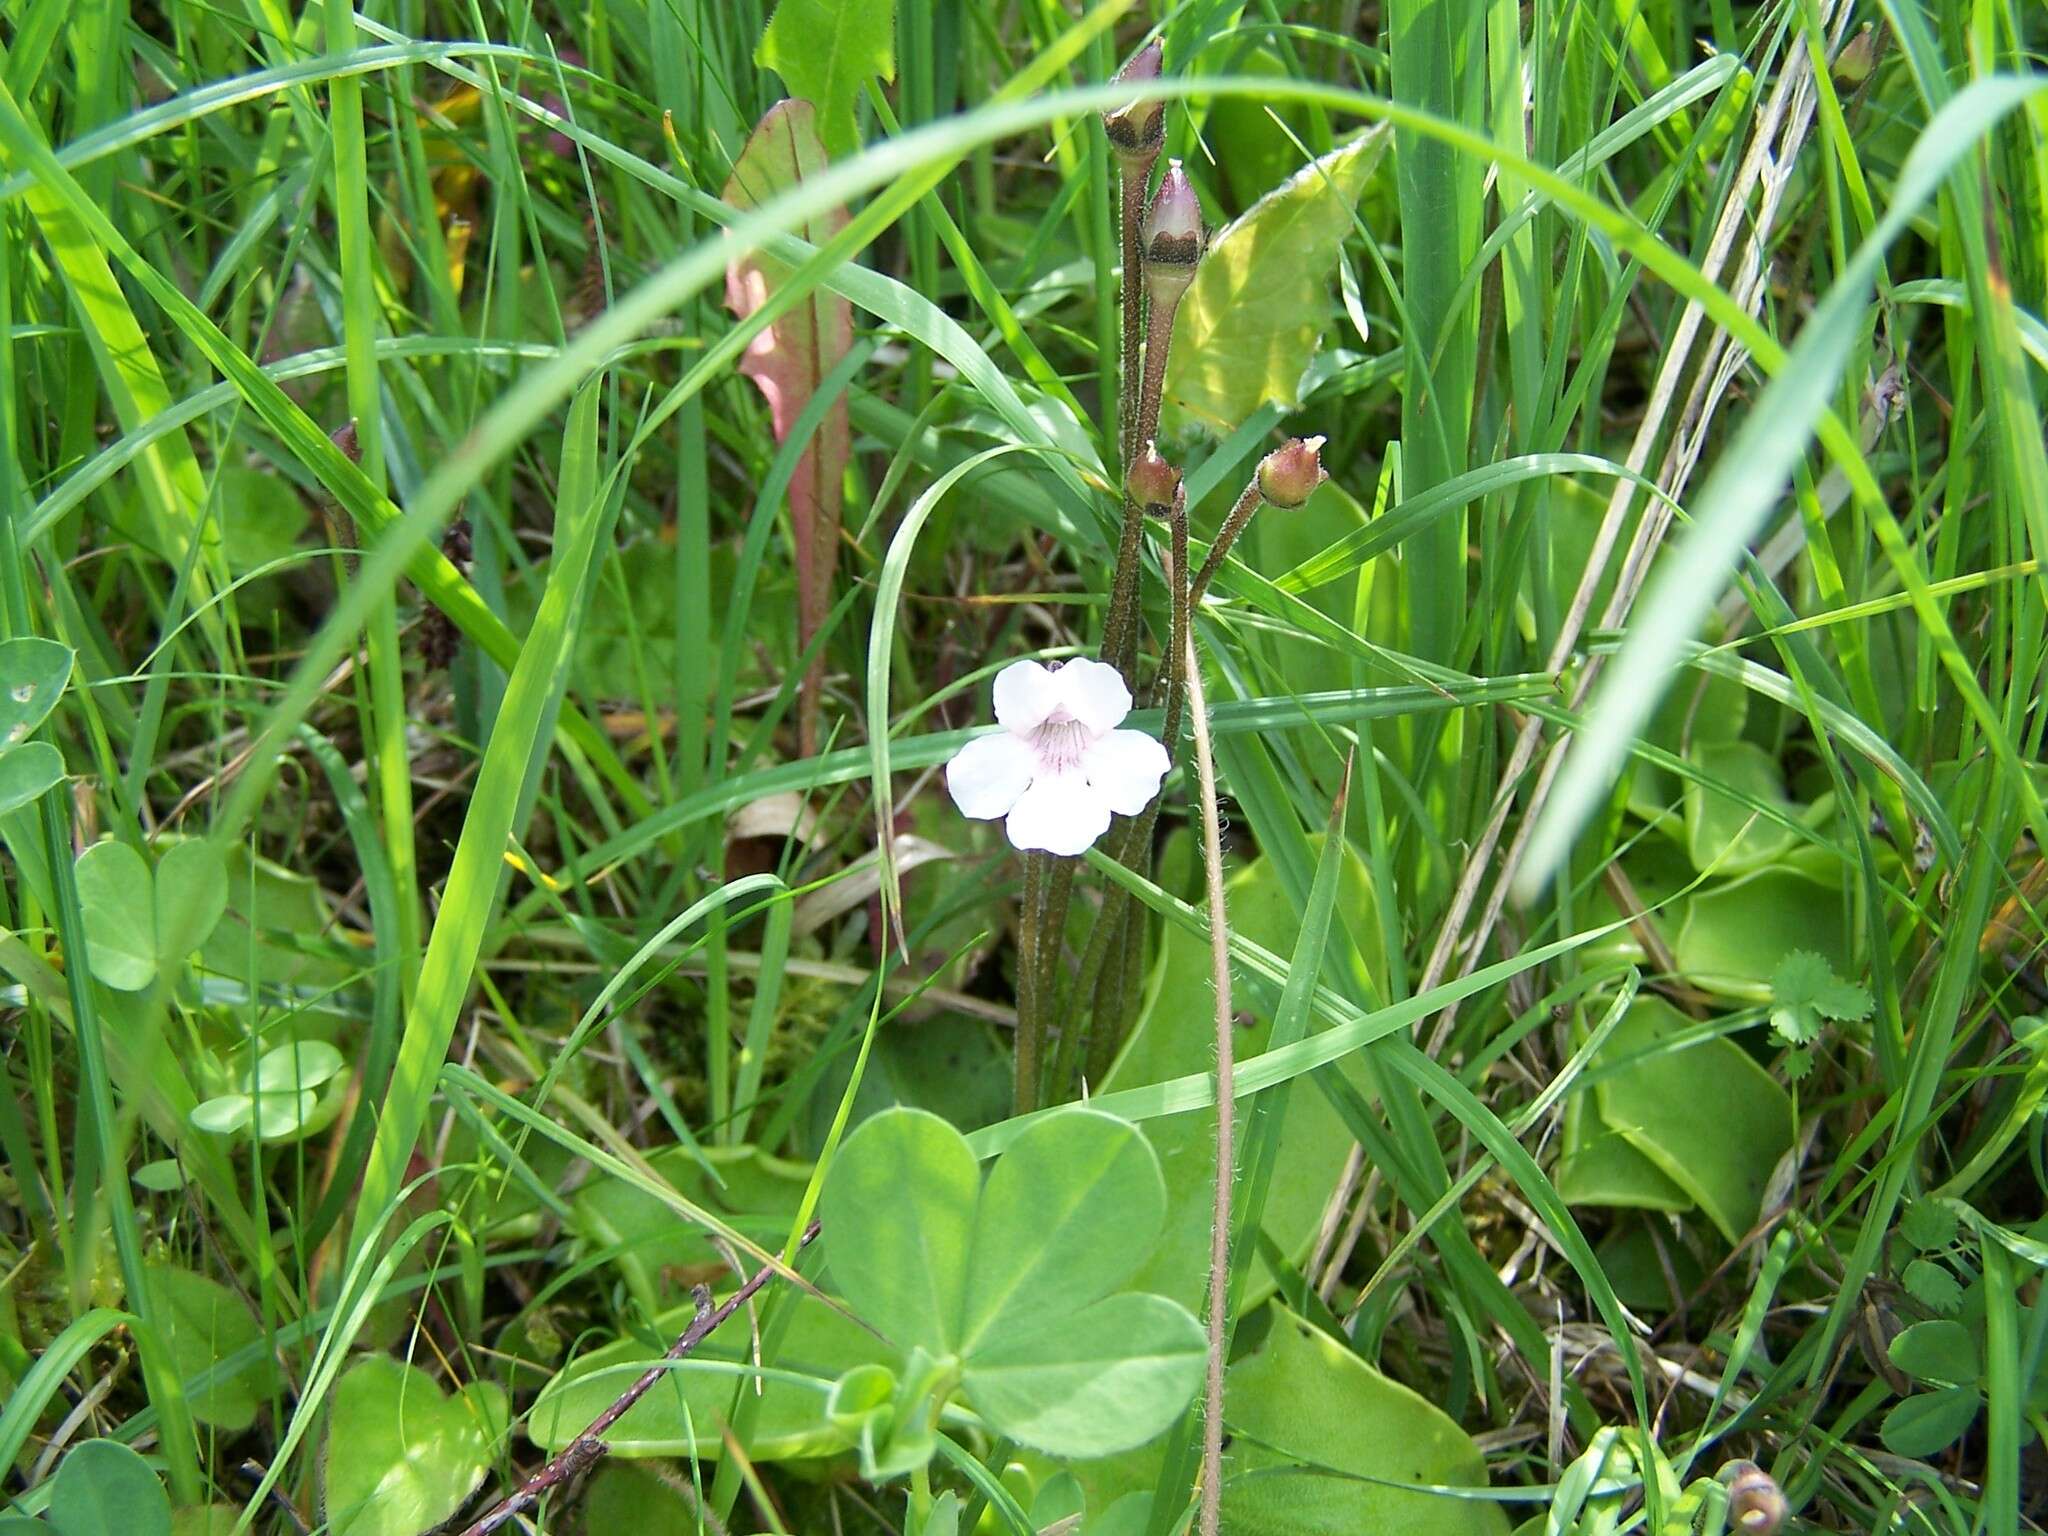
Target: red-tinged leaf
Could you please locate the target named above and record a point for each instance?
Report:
(788, 360)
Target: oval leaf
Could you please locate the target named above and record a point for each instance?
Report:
(1250, 322)
(1930, 1422)
(191, 896)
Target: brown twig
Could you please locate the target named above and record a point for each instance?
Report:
(589, 1448)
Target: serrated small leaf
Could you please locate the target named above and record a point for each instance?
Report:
(1939, 1351)
(828, 50)
(1796, 1024)
(1933, 1286)
(1798, 1066)
(1928, 1423)
(1928, 1224)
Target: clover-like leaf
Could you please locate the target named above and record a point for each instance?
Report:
(105, 1489)
(900, 1205)
(1805, 990)
(32, 676)
(1004, 1288)
(400, 1456)
(27, 771)
(1069, 1212)
(1928, 1423)
(1096, 1382)
(140, 923)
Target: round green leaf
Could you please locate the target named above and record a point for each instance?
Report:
(1940, 1351)
(280, 1113)
(1927, 1423)
(401, 1457)
(120, 924)
(1070, 1210)
(227, 1115)
(105, 1489)
(32, 675)
(302, 1064)
(898, 1214)
(191, 895)
(26, 771)
(1093, 1383)
(203, 1323)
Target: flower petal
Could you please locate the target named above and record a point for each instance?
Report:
(988, 775)
(1125, 767)
(1025, 695)
(1061, 813)
(1094, 693)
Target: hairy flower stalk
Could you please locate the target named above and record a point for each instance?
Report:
(1286, 477)
(1135, 134)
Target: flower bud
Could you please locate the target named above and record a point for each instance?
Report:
(1173, 224)
(1756, 1504)
(1152, 480)
(348, 442)
(1136, 131)
(1289, 475)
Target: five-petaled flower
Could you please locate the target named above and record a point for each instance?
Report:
(1059, 766)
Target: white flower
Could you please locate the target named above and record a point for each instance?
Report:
(1059, 766)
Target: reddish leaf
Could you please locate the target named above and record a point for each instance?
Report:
(788, 360)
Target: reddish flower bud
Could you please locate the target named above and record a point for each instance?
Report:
(1289, 475)
(1152, 480)
(346, 440)
(1136, 131)
(1173, 237)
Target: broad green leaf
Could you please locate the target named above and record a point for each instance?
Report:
(1072, 1207)
(1711, 1120)
(1929, 1224)
(898, 1216)
(32, 675)
(1940, 1350)
(1932, 1285)
(203, 1323)
(684, 1417)
(1928, 1423)
(120, 918)
(1304, 1402)
(1598, 1167)
(27, 771)
(1251, 321)
(401, 1457)
(944, 1520)
(627, 1499)
(104, 1489)
(191, 895)
(227, 1115)
(1727, 835)
(1092, 1383)
(827, 51)
(1735, 936)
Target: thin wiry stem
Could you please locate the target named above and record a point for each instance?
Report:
(1226, 1112)
(1248, 502)
(1158, 346)
(1031, 940)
